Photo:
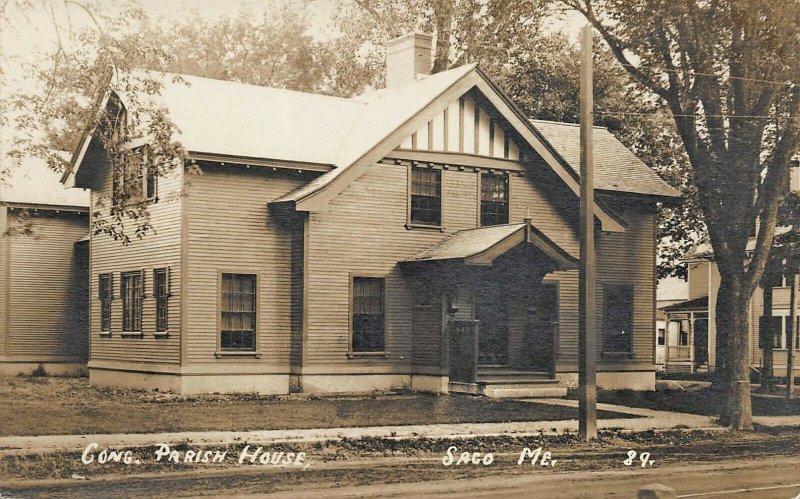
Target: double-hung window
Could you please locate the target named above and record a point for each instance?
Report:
(369, 324)
(494, 199)
(161, 294)
(131, 292)
(617, 318)
(105, 293)
(238, 313)
(135, 179)
(426, 196)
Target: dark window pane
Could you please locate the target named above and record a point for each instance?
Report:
(131, 302)
(238, 313)
(368, 314)
(104, 293)
(426, 196)
(617, 318)
(494, 199)
(160, 292)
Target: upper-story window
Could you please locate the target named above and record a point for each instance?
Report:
(134, 179)
(426, 196)
(494, 199)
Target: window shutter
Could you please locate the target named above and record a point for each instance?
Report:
(99, 287)
(111, 285)
(166, 279)
(142, 273)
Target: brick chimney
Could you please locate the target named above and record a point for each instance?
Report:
(407, 57)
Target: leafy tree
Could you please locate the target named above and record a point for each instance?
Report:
(66, 88)
(728, 72)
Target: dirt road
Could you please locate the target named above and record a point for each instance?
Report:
(735, 465)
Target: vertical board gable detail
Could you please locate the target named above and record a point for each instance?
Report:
(465, 127)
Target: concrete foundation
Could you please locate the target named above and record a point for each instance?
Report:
(354, 383)
(51, 368)
(263, 384)
(428, 383)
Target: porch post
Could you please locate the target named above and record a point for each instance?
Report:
(666, 342)
(691, 341)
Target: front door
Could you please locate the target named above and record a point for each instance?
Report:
(491, 311)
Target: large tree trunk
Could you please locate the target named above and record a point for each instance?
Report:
(733, 349)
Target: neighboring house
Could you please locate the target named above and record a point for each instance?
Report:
(669, 291)
(696, 317)
(43, 272)
(421, 236)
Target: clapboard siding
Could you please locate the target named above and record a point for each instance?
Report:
(231, 230)
(4, 257)
(48, 292)
(158, 249)
(698, 279)
(629, 258)
(363, 233)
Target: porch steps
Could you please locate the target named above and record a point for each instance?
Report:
(508, 383)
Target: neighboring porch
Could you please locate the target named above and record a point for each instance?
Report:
(485, 315)
(686, 343)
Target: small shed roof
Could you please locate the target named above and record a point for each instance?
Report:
(617, 168)
(481, 245)
(33, 182)
(467, 243)
(695, 304)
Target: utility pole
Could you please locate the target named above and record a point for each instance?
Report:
(587, 340)
(791, 333)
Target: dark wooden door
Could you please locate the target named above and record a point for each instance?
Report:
(491, 310)
(463, 350)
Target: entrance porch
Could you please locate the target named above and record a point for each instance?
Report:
(484, 295)
(686, 336)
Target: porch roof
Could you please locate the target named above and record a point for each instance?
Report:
(693, 305)
(482, 245)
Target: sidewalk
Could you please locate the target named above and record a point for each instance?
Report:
(648, 420)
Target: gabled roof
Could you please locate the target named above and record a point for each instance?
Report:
(616, 168)
(704, 250)
(34, 183)
(482, 245)
(228, 119)
(386, 111)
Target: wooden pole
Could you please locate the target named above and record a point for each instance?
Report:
(790, 339)
(587, 343)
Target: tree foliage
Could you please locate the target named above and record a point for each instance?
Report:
(728, 72)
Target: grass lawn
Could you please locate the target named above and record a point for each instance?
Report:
(53, 406)
(703, 401)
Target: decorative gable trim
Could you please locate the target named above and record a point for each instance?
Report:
(318, 198)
